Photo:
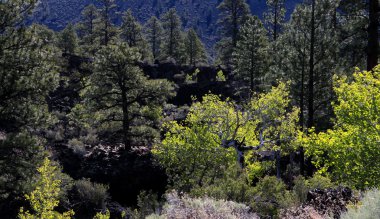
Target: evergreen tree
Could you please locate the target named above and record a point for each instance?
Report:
(353, 34)
(154, 34)
(68, 40)
(234, 13)
(195, 50)
(106, 29)
(310, 48)
(121, 97)
(365, 22)
(87, 26)
(373, 48)
(275, 17)
(250, 56)
(20, 155)
(131, 31)
(173, 39)
(28, 69)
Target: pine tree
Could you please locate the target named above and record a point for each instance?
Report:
(250, 56)
(353, 34)
(310, 50)
(195, 50)
(121, 97)
(131, 31)
(68, 40)
(360, 32)
(373, 48)
(87, 28)
(20, 155)
(275, 17)
(28, 69)
(154, 34)
(173, 39)
(106, 29)
(234, 13)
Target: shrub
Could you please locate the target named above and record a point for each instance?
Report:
(77, 146)
(220, 76)
(100, 215)
(148, 204)
(89, 195)
(206, 208)
(233, 186)
(302, 186)
(369, 207)
(270, 195)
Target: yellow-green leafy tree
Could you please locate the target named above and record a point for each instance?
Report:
(350, 151)
(198, 151)
(45, 197)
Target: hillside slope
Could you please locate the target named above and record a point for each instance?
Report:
(200, 14)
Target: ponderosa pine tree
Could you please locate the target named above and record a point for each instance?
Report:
(154, 35)
(106, 30)
(87, 28)
(195, 51)
(172, 46)
(363, 18)
(20, 155)
(131, 31)
(27, 67)
(275, 17)
(250, 56)
(68, 39)
(310, 47)
(233, 14)
(120, 98)
(373, 48)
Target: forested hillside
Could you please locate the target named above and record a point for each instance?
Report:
(189, 109)
(199, 14)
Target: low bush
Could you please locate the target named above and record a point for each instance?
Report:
(233, 186)
(271, 195)
(302, 186)
(205, 208)
(89, 196)
(368, 208)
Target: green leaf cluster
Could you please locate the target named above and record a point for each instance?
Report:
(350, 151)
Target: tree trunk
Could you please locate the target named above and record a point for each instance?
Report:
(373, 35)
(126, 125)
(302, 116)
(275, 23)
(310, 121)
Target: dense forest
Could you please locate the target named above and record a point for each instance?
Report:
(131, 111)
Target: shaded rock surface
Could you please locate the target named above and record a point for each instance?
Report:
(322, 204)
